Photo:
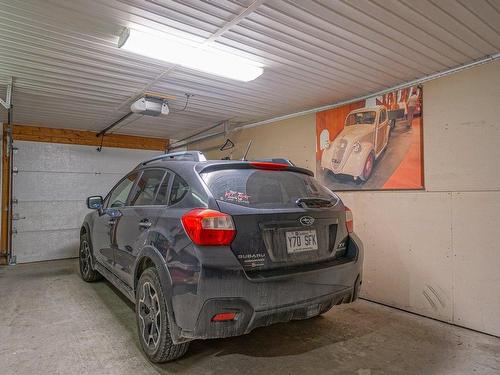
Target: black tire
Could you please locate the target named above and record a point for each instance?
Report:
(368, 167)
(151, 312)
(85, 260)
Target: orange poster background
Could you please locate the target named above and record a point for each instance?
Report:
(333, 120)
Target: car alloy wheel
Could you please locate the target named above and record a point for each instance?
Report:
(85, 258)
(152, 320)
(149, 315)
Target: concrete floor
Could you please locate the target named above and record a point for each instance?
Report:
(51, 322)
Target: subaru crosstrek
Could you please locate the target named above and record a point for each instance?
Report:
(212, 249)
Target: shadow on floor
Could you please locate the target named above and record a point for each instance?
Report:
(278, 340)
(284, 339)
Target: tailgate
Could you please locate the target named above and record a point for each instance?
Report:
(283, 218)
(278, 238)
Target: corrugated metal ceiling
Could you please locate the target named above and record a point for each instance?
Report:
(69, 73)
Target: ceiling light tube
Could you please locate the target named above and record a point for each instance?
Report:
(194, 56)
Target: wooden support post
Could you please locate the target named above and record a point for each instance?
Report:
(5, 197)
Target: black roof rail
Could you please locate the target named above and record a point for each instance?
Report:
(180, 156)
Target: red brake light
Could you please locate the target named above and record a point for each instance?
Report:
(269, 165)
(349, 221)
(223, 317)
(209, 227)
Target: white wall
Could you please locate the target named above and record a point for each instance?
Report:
(295, 137)
(437, 252)
(434, 252)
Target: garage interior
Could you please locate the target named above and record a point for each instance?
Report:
(429, 301)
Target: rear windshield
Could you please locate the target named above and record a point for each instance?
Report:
(264, 189)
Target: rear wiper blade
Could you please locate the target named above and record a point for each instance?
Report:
(314, 202)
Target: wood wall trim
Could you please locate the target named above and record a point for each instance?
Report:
(22, 132)
(5, 198)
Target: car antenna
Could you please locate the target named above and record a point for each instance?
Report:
(244, 158)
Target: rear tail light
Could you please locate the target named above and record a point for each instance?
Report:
(269, 166)
(349, 222)
(224, 317)
(209, 227)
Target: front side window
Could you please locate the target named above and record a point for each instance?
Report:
(147, 186)
(118, 197)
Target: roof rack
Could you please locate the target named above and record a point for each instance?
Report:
(180, 156)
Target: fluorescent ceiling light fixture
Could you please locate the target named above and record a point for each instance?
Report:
(190, 55)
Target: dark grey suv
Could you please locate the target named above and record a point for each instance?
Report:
(210, 249)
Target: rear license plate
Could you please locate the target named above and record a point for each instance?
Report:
(301, 240)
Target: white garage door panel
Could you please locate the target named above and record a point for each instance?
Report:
(42, 216)
(408, 260)
(37, 156)
(476, 224)
(46, 245)
(51, 186)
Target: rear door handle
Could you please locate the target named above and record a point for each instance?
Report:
(145, 223)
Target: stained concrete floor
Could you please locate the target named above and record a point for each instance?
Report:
(51, 322)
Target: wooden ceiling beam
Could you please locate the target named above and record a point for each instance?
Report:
(21, 132)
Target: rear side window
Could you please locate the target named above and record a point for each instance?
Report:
(147, 186)
(179, 190)
(162, 195)
(265, 189)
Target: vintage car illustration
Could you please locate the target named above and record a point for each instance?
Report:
(354, 151)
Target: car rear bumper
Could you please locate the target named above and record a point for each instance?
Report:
(248, 319)
(263, 302)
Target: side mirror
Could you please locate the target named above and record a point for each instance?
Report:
(94, 202)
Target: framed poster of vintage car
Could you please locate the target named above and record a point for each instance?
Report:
(374, 144)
